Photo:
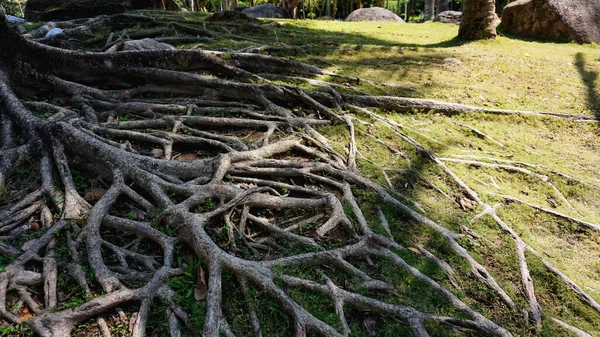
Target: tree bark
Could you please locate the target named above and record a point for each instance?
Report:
(429, 11)
(411, 6)
(478, 20)
(442, 6)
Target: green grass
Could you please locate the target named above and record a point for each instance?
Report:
(508, 73)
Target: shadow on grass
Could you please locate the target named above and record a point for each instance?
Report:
(589, 78)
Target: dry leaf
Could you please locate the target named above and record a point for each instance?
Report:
(466, 204)
(414, 250)
(186, 156)
(33, 222)
(201, 287)
(94, 194)
(25, 314)
(267, 256)
(132, 321)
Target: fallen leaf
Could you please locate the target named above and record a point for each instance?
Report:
(267, 256)
(34, 223)
(414, 250)
(94, 194)
(201, 287)
(466, 204)
(132, 321)
(186, 156)
(25, 314)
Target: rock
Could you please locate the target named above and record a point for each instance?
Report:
(46, 10)
(266, 11)
(448, 17)
(324, 18)
(451, 61)
(145, 44)
(373, 14)
(577, 20)
(53, 32)
(14, 19)
(228, 16)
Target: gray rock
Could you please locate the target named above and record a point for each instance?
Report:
(266, 11)
(53, 32)
(577, 20)
(14, 19)
(449, 17)
(373, 14)
(145, 44)
(453, 62)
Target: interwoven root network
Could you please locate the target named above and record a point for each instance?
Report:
(198, 155)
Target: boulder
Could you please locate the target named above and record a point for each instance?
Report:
(373, 14)
(53, 32)
(14, 19)
(266, 11)
(577, 20)
(449, 17)
(47, 10)
(145, 44)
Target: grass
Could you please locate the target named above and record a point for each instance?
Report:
(508, 73)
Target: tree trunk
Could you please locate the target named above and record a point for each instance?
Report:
(478, 20)
(442, 6)
(411, 6)
(429, 11)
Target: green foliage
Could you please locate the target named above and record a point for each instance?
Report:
(207, 206)
(183, 286)
(15, 330)
(75, 299)
(14, 7)
(82, 180)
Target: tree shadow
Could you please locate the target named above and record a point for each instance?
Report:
(504, 33)
(589, 78)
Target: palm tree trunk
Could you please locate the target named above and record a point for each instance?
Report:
(478, 20)
(429, 11)
(442, 6)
